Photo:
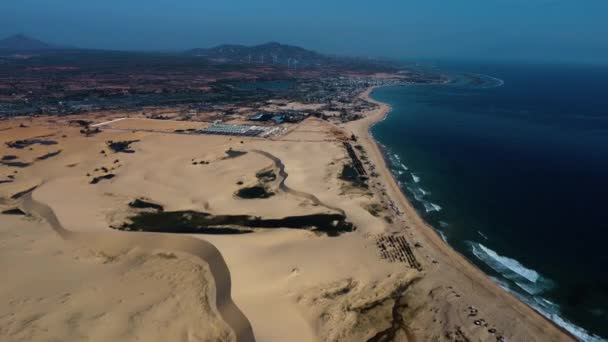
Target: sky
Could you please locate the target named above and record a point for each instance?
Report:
(528, 30)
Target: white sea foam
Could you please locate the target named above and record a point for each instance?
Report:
(443, 224)
(429, 207)
(403, 167)
(482, 234)
(531, 289)
(415, 178)
(499, 82)
(552, 311)
(504, 265)
(489, 81)
(443, 236)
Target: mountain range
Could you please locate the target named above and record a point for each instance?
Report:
(21, 42)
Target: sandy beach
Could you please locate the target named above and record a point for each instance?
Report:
(383, 275)
(443, 253)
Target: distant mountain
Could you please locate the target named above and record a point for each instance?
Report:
(269, 53)
(20, 42)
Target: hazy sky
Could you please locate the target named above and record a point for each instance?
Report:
(551, 30)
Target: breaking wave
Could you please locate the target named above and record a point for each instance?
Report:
(482, 235)
(478, 81)
(508, 267)
(551, 311)
(443, 236)
(430, 207)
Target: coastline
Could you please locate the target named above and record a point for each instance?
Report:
(445, 254)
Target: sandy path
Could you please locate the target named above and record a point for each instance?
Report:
(108, 122)
(113, 241)
(283, 174)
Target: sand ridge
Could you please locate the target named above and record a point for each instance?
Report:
(200, 248)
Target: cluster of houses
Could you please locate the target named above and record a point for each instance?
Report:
(279, 118)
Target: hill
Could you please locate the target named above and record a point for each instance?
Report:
(269, 53)
(20, 42)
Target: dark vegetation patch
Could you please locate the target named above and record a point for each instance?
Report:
(256, 191)
(90, 131)
(266, 175)
(230, 153)
(15, 164)
(375, 209)
(20, 144)
(200, 162)
(350, 174)
(2, 181)
(143, 204)
(121, 146)
(9, 157)
(48, 155)
(100, 178)
(81, 123)
(205, 223)
(14, 211)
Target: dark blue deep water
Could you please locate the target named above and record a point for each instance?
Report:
(510, 164)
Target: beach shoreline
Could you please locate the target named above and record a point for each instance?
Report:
(422, 229)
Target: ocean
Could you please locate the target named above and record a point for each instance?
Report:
(509, 162)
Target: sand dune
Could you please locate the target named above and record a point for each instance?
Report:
(117, 243)
(290, 284)
(57, 291)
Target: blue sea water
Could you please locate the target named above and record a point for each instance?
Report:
(510, 164)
